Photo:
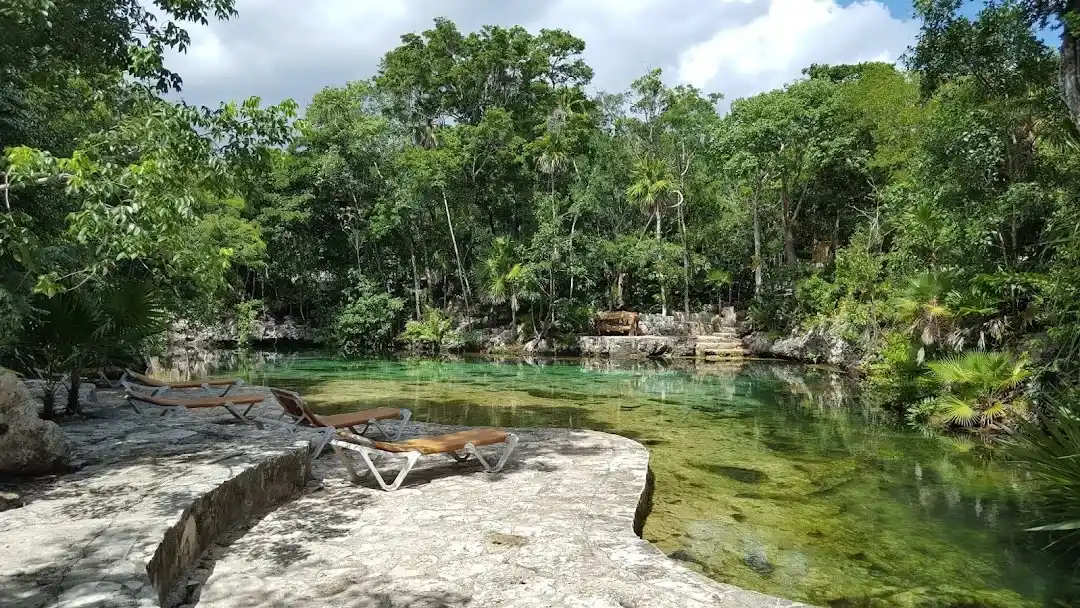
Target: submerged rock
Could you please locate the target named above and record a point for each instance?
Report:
(755, 558)
(28, 444)
(737, 473)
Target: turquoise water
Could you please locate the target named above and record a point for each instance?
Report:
(769, 476)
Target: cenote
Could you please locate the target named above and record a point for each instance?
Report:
(769, 476)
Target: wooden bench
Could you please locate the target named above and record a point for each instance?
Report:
(616, 323)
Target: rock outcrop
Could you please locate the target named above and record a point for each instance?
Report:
(28, 444)
(636, 347)
(185, 334)
(815, 345)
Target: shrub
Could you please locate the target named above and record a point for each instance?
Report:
(434, 331)
(1050, 452)
(368, 322)
(976, 389)
(247, 314)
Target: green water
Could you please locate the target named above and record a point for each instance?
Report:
(768, 476)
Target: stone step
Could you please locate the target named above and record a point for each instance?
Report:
(719, 349)
(720, 334)
(729, 343)
(725, 356)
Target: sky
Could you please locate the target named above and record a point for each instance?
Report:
(280, 49)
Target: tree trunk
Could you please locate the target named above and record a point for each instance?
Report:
(789, 235)
(758, 261)
(659, 261)
(570, 255)
(457, 254)
(73, 391)
(789, 246)
(415, 275)
(1069, 74)
(554, 256)
(513, 313)
(685, 263)
(48, 400)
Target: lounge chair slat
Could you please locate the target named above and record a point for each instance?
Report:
(438, 444)
(413, 449)
(348, 419)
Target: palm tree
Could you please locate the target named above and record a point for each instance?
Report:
(976, 388)
(652, 184)
(921, 305)
(500, 276)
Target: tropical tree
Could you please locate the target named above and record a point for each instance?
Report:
(501, 276)
(651, 188)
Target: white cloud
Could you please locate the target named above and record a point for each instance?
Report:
(280, 48)
(772, 49)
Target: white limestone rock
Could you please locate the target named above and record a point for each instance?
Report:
(28, 444)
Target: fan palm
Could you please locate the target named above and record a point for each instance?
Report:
(921, 305)
(976, 388)
(87, 328)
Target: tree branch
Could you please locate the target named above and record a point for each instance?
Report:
(4, 187)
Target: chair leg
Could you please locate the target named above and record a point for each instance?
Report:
(511, 442)
(324, 436)
(228, 388)
(242, 417)
(406, 414)
(394, 434)
(410, 462)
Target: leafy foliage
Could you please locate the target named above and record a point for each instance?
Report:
(1050, 451)
(973, 390)
(432, 332)
(369, 321)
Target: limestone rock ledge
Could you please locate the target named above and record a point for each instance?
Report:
(555, 528)
(636, 347)
(154, 494)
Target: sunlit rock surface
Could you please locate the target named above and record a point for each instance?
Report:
(555, 528)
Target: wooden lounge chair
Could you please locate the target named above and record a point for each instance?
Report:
(160, 386)
(300, 415)
(177, 405)
(459, 445)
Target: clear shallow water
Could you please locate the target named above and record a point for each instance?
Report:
(768, 476)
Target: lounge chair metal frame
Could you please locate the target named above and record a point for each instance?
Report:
(370, 453)
(162, 387)
(309, 421)
(132, 396)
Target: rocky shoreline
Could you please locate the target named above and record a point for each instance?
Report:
(188, 512)
(706, 335)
